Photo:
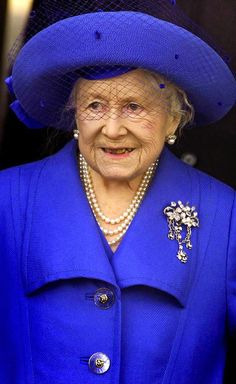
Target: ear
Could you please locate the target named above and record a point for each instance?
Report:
(173, 124)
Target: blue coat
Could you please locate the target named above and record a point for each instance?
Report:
(163, 321)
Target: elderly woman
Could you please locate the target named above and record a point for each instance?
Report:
(117, 260)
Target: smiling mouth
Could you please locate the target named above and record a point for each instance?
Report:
(118, 151)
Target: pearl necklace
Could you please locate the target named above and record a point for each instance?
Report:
(124, 220)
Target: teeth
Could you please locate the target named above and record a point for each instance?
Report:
(118, 150)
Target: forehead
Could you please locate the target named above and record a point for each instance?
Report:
(136, 84)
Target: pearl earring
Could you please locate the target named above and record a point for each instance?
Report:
(171, 139)
(76, 134)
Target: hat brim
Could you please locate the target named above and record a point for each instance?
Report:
(130, 39)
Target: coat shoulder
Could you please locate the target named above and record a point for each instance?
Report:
(15, 184)
(19, 174)
(23, 174)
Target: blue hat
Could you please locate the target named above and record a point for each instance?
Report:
(106, 44)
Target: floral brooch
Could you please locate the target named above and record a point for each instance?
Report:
(181, 218)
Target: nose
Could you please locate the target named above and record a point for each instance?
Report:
(114, 127)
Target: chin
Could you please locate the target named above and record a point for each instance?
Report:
(117, 176)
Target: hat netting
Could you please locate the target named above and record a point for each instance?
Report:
(91, 81)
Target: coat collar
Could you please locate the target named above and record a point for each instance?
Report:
(62, 239)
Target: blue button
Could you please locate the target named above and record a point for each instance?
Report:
(99, 363)
(104, 298)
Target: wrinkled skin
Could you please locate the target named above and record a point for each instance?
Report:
(125, 111)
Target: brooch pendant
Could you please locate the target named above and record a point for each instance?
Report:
(181, 219)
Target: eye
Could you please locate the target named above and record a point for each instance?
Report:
(133, 107)
(95, 106)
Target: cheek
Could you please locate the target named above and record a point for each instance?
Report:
(153, 134)
(88, 131)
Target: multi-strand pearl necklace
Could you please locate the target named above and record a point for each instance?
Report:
(123, 221)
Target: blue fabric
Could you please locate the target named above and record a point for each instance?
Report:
(169, 320)
(47, 66)
(17, 108)
(23, 116)
(19, 111)
(105, 72)
(8, 82)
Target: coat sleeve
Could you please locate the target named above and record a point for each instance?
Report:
(11, 353)
(6, 251)
(231, 274)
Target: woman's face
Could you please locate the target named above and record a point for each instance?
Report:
(126, 114)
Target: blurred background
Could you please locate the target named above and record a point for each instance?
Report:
(211, 148)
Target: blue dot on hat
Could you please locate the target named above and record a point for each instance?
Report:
(97, 35)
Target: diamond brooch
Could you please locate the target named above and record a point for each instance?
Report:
(181, 218)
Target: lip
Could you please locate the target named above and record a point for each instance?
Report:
(117, 147)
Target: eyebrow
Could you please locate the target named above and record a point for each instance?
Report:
(95, 95)
(132, 98)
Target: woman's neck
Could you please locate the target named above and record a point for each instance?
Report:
(114, 196)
